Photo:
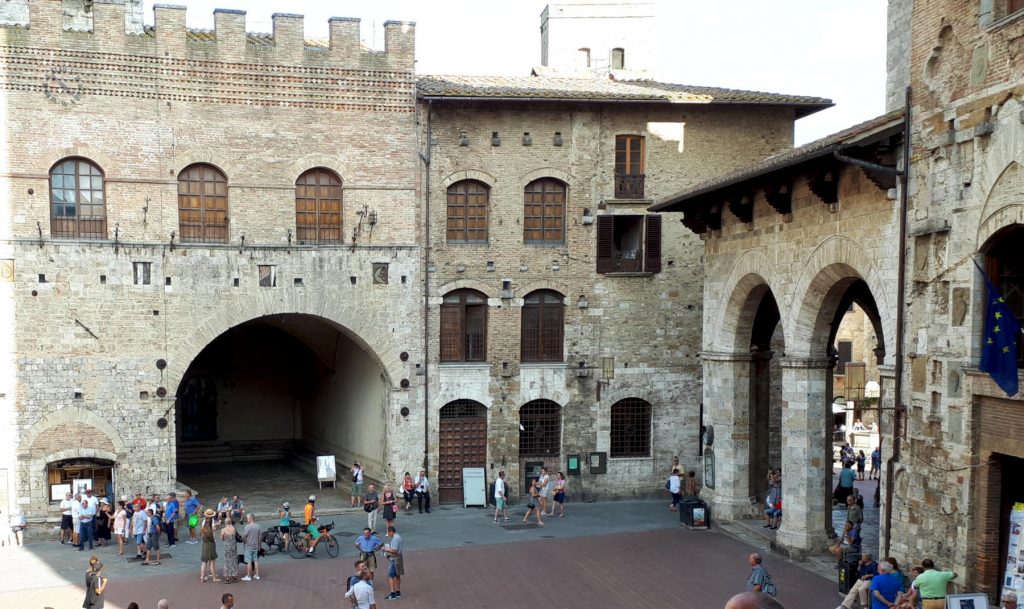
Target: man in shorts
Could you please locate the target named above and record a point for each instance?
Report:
(76, 518)
(251, 538)
(500, 497)
(65, 518)
(310, 517)
(357, 484)
(393, 549)
(140, 526)
(152, 537)
(192, 508)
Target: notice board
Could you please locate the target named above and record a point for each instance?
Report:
(474, 487)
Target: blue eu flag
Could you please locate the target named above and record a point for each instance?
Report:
(999, 343)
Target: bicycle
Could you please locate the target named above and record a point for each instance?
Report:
(273, 538)
(301, 541)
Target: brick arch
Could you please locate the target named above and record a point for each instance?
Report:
(181, 160)
(97, 157)
(537, 391)
(313, 161)
(470, 284)
(372, 338)
(545, 172)
(80, 419)
(469, 174)
(448, 393)
(751, 276)
(1003, 206)
(834, 265)
(77, 453)
(544, 284)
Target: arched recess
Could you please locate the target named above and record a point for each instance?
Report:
(469, 174)
(68, 416)
(462, 442)
(470, 284)
(748, 280)
(1004, 205)
(546, 172)
(833, 268)
(1004, 150)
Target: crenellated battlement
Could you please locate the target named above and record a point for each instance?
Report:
(115, 26)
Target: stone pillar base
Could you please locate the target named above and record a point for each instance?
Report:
(799, 544)
(726, 508)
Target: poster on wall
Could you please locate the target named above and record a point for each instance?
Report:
(57, 491)
(1013, 577)
(80, 485)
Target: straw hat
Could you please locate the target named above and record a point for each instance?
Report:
(209, 513)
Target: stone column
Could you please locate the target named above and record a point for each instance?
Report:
(727, 395)
(887, 382)
(806, 455)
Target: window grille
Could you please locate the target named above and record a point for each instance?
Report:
(540, 433)
(631, 428)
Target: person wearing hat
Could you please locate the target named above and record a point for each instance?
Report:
(286, 522)
(95, 585)
(310, 517)
(209, 555)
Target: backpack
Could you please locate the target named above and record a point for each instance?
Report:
(769, 587)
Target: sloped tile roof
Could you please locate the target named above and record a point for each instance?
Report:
(825, 146)
(601, 89)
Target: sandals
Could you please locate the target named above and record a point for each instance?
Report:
(217, 580)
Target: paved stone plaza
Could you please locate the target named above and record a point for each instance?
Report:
(626, 553)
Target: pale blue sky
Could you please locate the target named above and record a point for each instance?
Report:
(828, 48)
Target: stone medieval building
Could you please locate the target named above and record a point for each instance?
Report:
(220, 245)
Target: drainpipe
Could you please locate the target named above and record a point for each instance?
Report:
(897, 422)
(426, 294)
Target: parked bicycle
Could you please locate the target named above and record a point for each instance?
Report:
(273, 541)
(302, 541)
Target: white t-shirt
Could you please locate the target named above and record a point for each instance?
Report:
(76, 509)
(542, 482)
(422, 484)
(363, 593)
(499, 488)
(66, 506)
(673, 484)
(358, 473)
(93, 501)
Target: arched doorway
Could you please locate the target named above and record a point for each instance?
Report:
(462, 443)
(281, 390)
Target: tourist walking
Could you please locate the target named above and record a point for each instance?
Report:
(759, 579)
(95, 585)
(500, 496)
(408, 489)
(252, 535)
(229, 543)
(543, 490)
(152, 539)
(357, 484)
(674, 485)
(367, 545)
(65, 518)
(861, 463)
(208, 558)
(120, 527)
(876, 464)
(371, 505)
(192, 510)
(396, 569)
(932, 585)
(559, 496)
(423, 491)
(531, 507)
(389, 505)
(845, 486)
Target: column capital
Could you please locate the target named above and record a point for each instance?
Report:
(806, 362)
(724, 356)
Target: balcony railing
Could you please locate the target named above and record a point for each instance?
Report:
(629, 186)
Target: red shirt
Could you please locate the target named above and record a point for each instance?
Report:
(139, 503)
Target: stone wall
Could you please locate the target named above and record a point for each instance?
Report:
(966, 186)
(645, 322)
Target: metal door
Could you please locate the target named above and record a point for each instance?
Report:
(463, 443)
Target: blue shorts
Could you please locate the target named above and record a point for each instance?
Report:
(251, 556)
(140, 538)
(773, 512)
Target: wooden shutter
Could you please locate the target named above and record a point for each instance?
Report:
(451, 333)
(476, 333)
(530, 339)
(652, 253)
(605, 233)
(551, 338)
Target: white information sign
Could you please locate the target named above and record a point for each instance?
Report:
(474, 486)
(326, 470)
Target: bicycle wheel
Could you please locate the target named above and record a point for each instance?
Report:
(332, 547)
(297, 547)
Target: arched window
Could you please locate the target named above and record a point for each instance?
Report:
(1005, 268)
(77, 202)
(318, 207)
(202, 204)
(618, 59)
(464, 327)
(543, 320)
(467, 212)
(540, 429)
(544, 212)
(630, 428)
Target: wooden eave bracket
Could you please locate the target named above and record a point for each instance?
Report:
(742, 206)
(780, 198)
(703, 218)
(826, 186)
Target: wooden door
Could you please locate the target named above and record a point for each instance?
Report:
(463, 443)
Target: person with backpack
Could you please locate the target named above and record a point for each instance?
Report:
(759, 580)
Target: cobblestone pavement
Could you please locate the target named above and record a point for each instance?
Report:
(607, 554)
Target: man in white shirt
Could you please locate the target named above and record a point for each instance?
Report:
(92, 499)
(76, 518)
(422, 490)
(544, 490)
(361, 594)
(66, 519)
(500, 498)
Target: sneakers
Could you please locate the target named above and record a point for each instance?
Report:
(247, 579)
(256, 577)
(172, 545)
(393, 596)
